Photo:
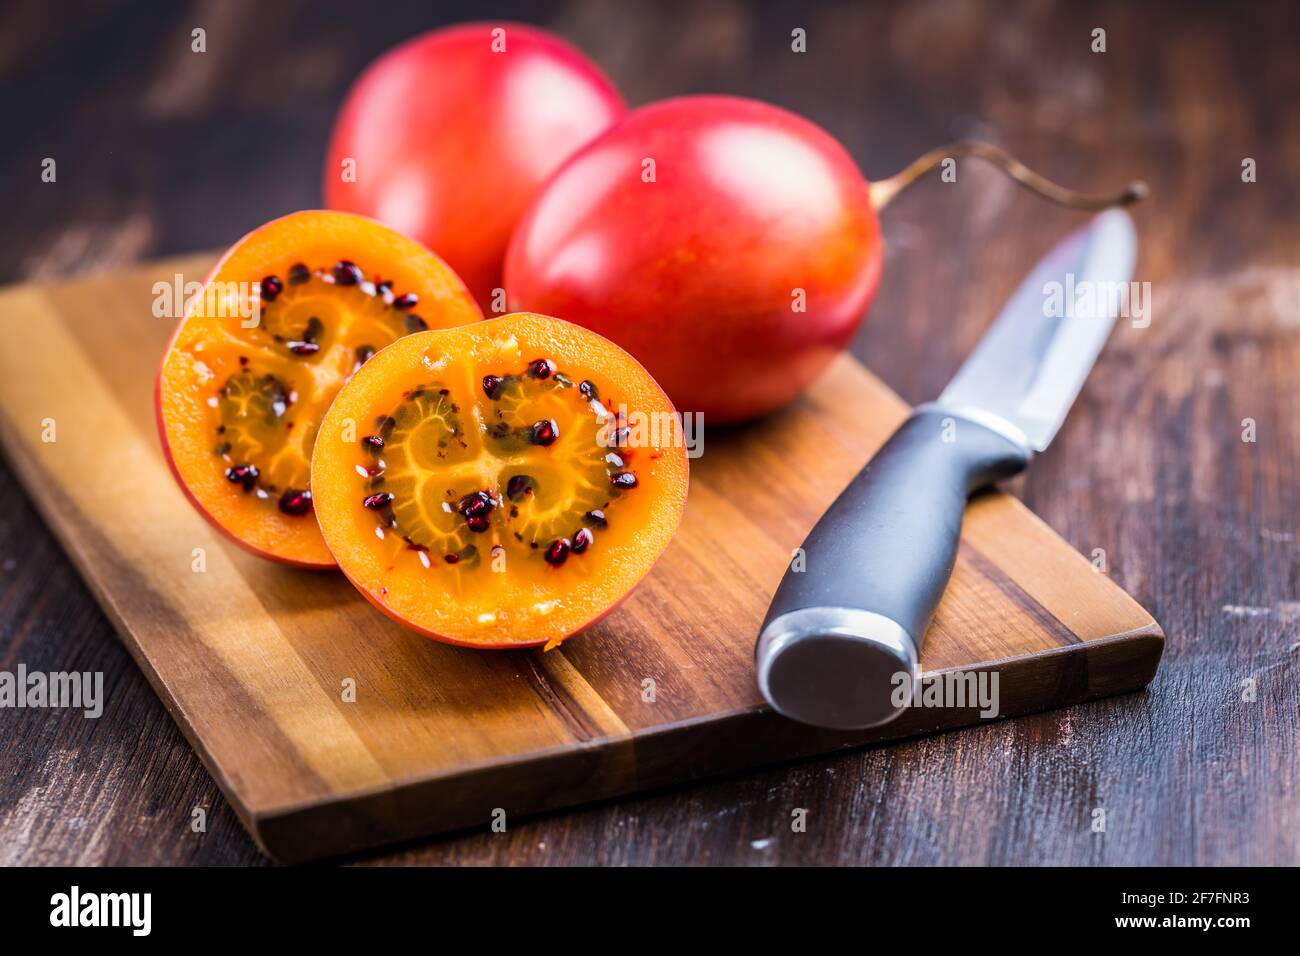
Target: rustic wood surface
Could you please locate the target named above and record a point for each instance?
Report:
(252, 658)
(163, 151)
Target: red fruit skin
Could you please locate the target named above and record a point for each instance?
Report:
(696, 272)
(451, 140)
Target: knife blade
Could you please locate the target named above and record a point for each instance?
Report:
(844, 631)
(1031, 364)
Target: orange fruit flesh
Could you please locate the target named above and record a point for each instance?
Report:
(499, 485)
(285, 319)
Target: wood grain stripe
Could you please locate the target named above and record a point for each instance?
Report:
(1019, 596)
(565, 690)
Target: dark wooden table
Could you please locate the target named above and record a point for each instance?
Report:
(161, 150)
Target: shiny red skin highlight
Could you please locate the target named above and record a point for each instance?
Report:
(698, 273)
(452, 140)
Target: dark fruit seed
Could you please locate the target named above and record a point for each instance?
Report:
(558, 552)
(381, 500)
(271, 287)
(477, 523)
(407, 301)
(588, 390)
(623, 479)
(347, 273)
(518, 486)
(596, 518)
(414, 323)
(295, 502)
(304, 348)
(298, 274)
(364, 353)
(475, 503)
(451, 558)
(544, 432)
(491, 385)
(245, 475)
(373, 443)
(314, 328)
(614, 459)
(582, 540)
(541, 368)
(618, 438)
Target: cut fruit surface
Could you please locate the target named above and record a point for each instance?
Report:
(284, 319)
(503, 484)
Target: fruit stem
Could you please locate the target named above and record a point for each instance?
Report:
(884, 190)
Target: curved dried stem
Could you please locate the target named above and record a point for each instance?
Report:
(883, 191)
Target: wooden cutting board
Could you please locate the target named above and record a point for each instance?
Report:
(252, 659)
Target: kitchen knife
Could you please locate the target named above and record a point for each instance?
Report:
(848, 619)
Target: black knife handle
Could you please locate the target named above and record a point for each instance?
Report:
(851, 612)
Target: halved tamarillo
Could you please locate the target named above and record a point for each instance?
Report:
(286, 316)
(503, 484)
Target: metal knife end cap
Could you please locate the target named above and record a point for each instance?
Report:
(834, 667)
